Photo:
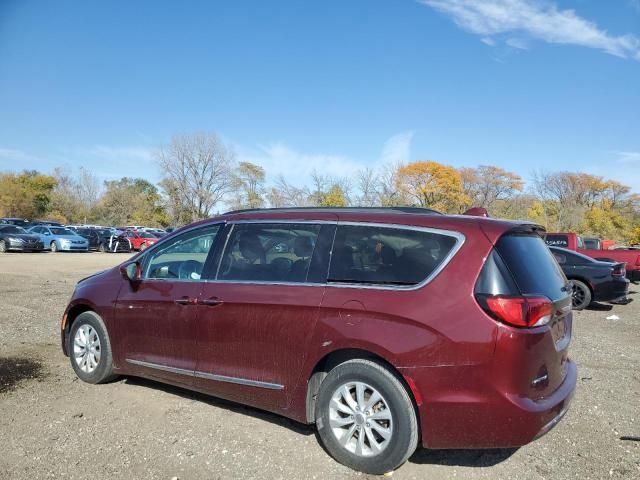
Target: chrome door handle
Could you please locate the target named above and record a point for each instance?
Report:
(185, 301)
(211, 302)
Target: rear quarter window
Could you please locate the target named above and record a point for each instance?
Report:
(381, 255)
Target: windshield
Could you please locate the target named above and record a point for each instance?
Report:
(61, 231)
(12, 229)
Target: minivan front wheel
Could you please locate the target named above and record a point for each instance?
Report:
(90, 349)
(365, 417)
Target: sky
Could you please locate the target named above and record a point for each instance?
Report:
(335, 85)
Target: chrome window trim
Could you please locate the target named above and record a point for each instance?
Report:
(207, 376)
(143, 257)
(460, 239)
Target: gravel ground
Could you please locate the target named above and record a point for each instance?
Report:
(54, 426)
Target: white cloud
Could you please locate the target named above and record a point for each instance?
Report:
(15, 155)
(537, 19)
(488, 41)
(397, 149)
(628, 157)
(519, 43)
(280, 159)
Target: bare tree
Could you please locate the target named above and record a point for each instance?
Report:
(198, 170)
(368, 186)
(283, 194)
(248, 184)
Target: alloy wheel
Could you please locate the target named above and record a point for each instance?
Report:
(3, 246)
(360, 419)
(578, 296)
(86, 348)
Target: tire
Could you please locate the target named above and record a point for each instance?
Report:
(336, 422)
(54, 247)
(3, 246)
(92, 327)
(101, 248)
(581, 296)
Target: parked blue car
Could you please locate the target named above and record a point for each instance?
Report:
(59, 239)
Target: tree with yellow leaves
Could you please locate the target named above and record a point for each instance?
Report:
(433, 185)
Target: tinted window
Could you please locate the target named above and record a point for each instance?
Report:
(381, 255)
(592, 243)
(557, 240)
(12, 229)
(532, 265)
(269, 252)
(182, 258)
(565, 257)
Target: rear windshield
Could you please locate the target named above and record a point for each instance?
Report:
(532, 265)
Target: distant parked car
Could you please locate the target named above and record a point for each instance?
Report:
(58, 239)
(14, 238)
(20, 222)
(592, 243)
(593, 280)
(34, 223)
(140, 240)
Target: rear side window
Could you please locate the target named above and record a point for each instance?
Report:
(269, 252)
(382, 255)
(557, 240)
(532, 265)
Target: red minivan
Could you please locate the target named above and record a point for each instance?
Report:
(384, 327)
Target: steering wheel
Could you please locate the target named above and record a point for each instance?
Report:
(188, 268)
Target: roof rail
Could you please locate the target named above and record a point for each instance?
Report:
(414, 210)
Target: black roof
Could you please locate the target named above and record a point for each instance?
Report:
(413, 210)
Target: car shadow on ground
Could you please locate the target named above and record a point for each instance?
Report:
(273, 418)
(599, 307)
(422, 456)
(462, 458)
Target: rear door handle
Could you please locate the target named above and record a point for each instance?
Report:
(211, 302)
(185, 301)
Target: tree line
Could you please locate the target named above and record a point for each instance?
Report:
(201, 176)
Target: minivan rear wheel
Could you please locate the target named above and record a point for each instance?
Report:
(365, 417)
(581, 295)
(90, 349)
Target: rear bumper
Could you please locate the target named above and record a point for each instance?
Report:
(484, 417)
(614, 291)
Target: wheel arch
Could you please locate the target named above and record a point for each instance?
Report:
(339, 356)
(71, 315)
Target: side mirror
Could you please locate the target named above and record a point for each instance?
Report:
(131, 271)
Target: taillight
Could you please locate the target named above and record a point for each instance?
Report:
(638, 261)
(526, 311)
(618, 271)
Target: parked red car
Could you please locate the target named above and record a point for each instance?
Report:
(573, 241)
(381, 326)
(140, 240)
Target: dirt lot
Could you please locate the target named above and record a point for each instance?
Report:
(54, 426)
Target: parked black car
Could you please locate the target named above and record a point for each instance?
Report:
(20, 222)
(14, 238)
(593, 280)
(35, 223)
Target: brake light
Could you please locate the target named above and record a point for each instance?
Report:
(527, 311)
(618, 271)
